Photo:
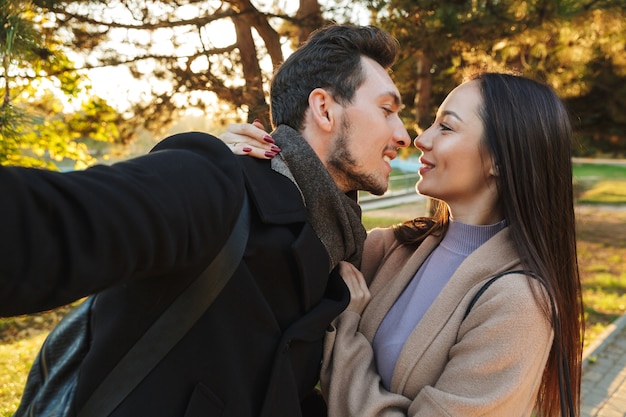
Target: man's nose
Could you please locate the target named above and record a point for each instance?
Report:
(400, 135)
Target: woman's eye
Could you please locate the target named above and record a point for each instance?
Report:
(444, 127)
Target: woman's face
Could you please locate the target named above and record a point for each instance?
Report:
(455, 167)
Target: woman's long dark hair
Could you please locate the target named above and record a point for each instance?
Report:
(529, 137)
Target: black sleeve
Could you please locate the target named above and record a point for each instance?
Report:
(67, 235)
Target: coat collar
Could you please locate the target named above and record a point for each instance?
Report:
(389, 283)
(275, 197)
(495, 256)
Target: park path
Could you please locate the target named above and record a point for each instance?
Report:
(603, 391)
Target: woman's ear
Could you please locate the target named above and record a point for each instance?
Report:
(494, 170)
(321, 109)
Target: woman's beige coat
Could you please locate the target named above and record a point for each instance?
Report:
(489, 364)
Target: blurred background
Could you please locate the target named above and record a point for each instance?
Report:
(85, 81)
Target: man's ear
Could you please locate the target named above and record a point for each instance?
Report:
(321, 106)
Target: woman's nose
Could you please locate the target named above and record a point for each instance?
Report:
(422, 141)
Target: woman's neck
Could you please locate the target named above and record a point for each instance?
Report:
(472, 215)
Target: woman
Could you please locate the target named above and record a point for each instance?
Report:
(498, 159)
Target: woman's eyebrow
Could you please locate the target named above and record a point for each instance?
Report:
(451, 113)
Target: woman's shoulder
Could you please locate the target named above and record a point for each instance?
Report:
(514, 290)
(380, 236)
(380, 242)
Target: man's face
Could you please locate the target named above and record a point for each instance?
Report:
(369, 134)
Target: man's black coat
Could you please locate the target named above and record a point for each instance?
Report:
(138, 233)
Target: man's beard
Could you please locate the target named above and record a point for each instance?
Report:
(343, 167)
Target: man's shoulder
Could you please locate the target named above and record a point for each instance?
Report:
(199, 152)
(197, 142)
(276, 197)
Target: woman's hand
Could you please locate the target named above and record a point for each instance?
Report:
(359, 293)
(250, 139)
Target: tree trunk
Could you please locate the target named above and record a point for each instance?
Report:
(253, 93)
(309, 18)
(423, 89)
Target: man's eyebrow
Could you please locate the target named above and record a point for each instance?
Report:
(451, 113)
(397, 101)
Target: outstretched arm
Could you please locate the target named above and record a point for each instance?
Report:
(67, 235)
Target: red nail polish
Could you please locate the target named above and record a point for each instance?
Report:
(269, 154)
(275, 148)
(246, 149)
(257, 121)
(268, 139)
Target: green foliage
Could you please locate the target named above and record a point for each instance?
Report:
(175, 55)
(575, 46)
(18, 36)
(36, 128)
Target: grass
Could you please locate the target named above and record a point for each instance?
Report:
(372, 222)
(605, 192)
(601, 236)
(15, 361)
(600, 184)
(600, 172)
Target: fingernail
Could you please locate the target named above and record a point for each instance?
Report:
(269, 154)
(268, 139)
(246, 149)
(275, 148)
(257, 121)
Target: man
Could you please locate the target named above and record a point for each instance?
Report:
(256, 350)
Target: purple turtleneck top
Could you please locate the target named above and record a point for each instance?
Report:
(458, 243)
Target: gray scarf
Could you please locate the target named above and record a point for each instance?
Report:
(335, 216)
